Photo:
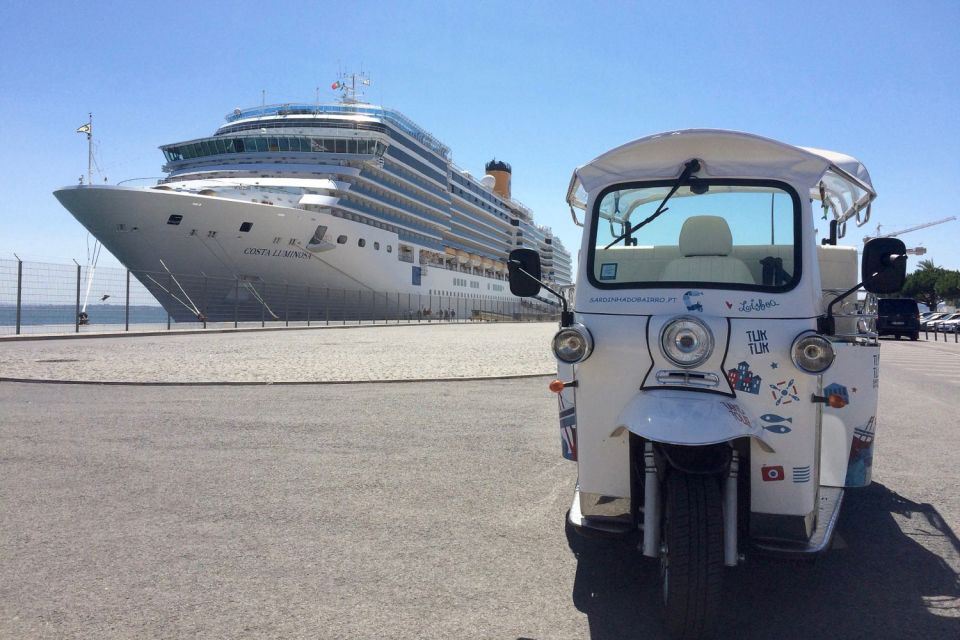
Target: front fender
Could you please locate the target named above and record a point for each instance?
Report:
(689, 418)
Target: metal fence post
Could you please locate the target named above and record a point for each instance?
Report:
(326, 305)
(308, 305)
(76, 315)
(204, 301)
(126, 306)
(286, 304)
(236, 303)
(169, 287)
(19, 290)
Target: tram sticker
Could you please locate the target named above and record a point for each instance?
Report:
(836, 389)
(801, 474)
(608, 271)
(568, 433)
(771, 473)
(861, 454)
(757, 341)
(690, 304)
(743, 379)
(785, 392)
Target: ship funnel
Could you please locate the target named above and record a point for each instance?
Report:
(501, 174)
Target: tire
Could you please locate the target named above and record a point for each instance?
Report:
(914, 336)
(692, 558)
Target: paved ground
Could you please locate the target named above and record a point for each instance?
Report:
(394, 352)
(420, 510)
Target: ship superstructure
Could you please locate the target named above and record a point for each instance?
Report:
(346, 195)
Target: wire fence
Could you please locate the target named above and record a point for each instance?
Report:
(43, 298)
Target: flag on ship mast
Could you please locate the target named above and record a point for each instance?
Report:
(86, 128)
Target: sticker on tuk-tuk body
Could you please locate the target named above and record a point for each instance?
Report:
(568, 433)
(772, 473)
(689, 303)
(801, 474)
(860, 464)
(743, 379)
(836, 389)
(608, 271)
(785, 392)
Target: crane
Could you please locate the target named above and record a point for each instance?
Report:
(908, 229)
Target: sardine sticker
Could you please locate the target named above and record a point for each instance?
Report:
(776, 428)
(785, 392)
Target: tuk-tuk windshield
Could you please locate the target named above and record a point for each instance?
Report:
(730, 234)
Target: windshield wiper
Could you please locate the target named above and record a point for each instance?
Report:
(689, 168)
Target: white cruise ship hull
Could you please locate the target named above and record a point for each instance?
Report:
(205, 264)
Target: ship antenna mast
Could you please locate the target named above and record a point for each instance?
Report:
(347, 84)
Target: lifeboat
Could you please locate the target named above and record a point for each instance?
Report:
(475, 260)
(487, 263)
(499, 267)
(462, 256)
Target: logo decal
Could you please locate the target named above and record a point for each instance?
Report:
(688, 300)
(757, 341)
(608, 271)
(748, 306)
(771, 474)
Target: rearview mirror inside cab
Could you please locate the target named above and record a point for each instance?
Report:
(522, 284)
(884, 265)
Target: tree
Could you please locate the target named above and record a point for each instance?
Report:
(921, 285)
(948, 285)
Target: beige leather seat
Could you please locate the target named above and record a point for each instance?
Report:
(706, 245)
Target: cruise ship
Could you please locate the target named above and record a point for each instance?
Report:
(346, 196)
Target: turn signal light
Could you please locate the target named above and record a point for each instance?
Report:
(556, 386)
(836, 401)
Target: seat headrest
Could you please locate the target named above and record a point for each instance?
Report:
(705, 236)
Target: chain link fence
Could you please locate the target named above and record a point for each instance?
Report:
(43, 298)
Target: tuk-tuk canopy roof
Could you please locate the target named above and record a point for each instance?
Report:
(845, 182)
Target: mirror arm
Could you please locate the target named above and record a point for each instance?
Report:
(566, 316)
(826, 324)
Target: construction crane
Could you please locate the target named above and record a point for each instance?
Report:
(908, 229)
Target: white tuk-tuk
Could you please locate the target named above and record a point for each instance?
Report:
(718, 373)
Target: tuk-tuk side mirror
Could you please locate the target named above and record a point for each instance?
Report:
(524, 285)
(884, 265)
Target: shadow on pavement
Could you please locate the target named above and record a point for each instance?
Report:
(877, 582)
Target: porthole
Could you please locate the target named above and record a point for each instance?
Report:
(389, 248)
(341, 239)
(361, 242)
(174, 219)
(246, 226)
(376, 246)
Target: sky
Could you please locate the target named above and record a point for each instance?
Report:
(545, 86)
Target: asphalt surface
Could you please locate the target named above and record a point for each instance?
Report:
(417, 510)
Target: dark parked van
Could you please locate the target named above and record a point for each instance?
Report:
(898, 317)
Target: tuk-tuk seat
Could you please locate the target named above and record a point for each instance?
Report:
(705, 246)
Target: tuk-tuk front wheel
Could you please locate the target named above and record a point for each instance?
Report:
(691, 558)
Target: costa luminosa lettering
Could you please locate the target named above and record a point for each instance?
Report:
(277, 253)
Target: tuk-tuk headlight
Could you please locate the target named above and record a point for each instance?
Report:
(686, 342)
(812, 353)
(573, 344)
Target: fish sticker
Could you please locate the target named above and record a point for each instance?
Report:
(772, 417)
(777, 428)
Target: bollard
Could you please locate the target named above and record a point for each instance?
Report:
(76, 315)
(236, 303)
(204, 312)
(308, 305)
(126, 307)
(19, 290)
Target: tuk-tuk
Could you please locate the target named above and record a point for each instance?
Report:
(717, 372)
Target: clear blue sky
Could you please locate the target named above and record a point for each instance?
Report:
(545, 86)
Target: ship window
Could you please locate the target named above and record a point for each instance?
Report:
(389, 248)
(175, 218)
(376, 246)
(341, 239)
(361, 242)
(318, 235)
(341, 146)
(246, 226)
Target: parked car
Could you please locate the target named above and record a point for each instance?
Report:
(898, 317)
(928, 319)
(948, 324)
